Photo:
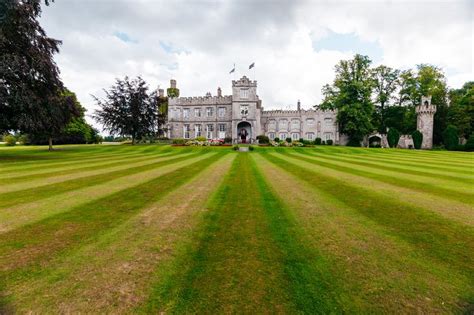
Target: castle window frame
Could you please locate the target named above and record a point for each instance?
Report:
(186, 131)
(244, 109)
(197, 112)
(295, 123)
(209, 111)
(209, 130)
(283, 124)
(310, 121)
(310, 135)
(328, 121)
(244, 93)
(221, 111)
(185, 113)
(222, 129)
(328, 136)
(283, 136)
(197, 131)
(271, 135)
(295, 136)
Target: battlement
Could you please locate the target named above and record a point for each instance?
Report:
(244, 82)
(425, 106)
(293, 112)
(201, 100)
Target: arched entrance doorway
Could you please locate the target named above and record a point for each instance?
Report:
(244, 132)
(375, 141)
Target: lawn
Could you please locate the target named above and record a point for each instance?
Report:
(154, 228)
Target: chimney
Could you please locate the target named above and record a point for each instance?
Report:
(173, 84)
(161, 93)
(298, 106)
(219, 92)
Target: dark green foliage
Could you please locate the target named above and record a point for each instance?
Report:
(353, 143)
(402, 118)
(277, 139)
(323, 142)
(451, 138)
(179, 141)
(172, 92)
(461, 109)
(235, 147)
(417, 139)
(317, 141)
(262, 139)
(288, 140)
(251, 148)
(329, 142)
(469, 146)
(227, 140)
(385, 83)
(9, 140)
(128, 109)
(392, 137)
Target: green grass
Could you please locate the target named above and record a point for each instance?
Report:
(154, 228)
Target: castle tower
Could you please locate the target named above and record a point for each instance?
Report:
(424, 122)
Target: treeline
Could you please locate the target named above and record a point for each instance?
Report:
(370, 99)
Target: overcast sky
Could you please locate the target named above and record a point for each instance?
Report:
(294, 44)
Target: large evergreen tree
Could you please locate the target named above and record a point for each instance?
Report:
(128, 109)
(31, 99)
(350, 94)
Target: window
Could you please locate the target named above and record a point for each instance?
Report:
(295, 136)
(185, 112)
(244, 93)
(272, 123)
(282, 136)
(209, 130)
(221, 131)
(283, 124)
(186, 131)
(209, 111)
(310, 121)
(244, 110)
(271, 135)
(328, 121)
(295, 123)
(327, 135)
(310, 136)
(197, 112)
(197, 131)
(221, 111)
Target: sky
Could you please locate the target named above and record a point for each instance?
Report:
(295, 45)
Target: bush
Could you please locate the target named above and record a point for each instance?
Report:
(10, 140)
(393, 136)
(227, 140)
(288, 140)
(235, 147)
(276, 139)
(329, 142)
(323, 142)
(353, 142)
(450, 138)
(262, 139)
(469, 146)
(23, 139)
(179, 141)
(251, 148)
(317, 141)
(417, 139)
(202, 139)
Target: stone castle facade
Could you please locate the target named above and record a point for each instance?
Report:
(242, 118)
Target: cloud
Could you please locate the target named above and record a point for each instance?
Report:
(294, 44)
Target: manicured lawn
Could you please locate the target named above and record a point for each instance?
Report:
(152, 228)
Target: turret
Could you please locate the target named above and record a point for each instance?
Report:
(172, 90)
(298, 105)
(425, 119)
(219, 92)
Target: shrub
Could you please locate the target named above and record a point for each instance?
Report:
(276, 139)
(353, 142)
(10, 140)
(202, 139)
(317, 141)
(251, 148)
(288, 140)
(323, 142)
(417, 139)
(262, 139)
(329, 142)
(301, 140)
(227, 140)
(23, 139)
(469, 146)
(393, 136)
(450, 138)
(235, 147)
(179, 141)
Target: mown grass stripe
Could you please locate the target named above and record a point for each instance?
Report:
(27, 250)
(390, 179)
(433, 235)
(46, 191)
(249, 257)
(383, 165)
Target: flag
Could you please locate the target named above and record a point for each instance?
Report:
(252, 65)
(233, 69)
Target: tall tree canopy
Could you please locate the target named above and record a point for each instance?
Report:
(128, 109)
(461, 109)
(385, 81)
(350, 94)
(31, 92)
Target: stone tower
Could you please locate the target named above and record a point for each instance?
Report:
(424, 122)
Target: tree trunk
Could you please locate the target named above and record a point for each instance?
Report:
(50, 141)
(133, 140)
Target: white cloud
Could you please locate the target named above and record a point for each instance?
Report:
(204, 39)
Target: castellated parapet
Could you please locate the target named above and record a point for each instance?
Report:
(292, 112)
(425, 120)
(201, 100)
(244, 82)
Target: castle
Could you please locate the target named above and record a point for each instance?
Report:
(242, 118)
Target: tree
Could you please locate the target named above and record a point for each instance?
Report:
(31, 99)
(407, 89)
(128, 109)
(385, 81)
(451, 138)
(393, 137)
(417, 139)
(461, 109)
(350, 95)
(401, 118)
